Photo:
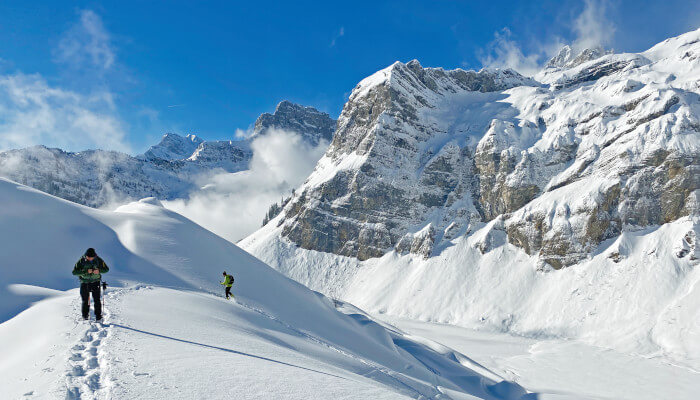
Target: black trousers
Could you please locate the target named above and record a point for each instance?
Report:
(85, 290)
(228, 291)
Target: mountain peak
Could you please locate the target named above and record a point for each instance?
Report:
(309, 122)
(174, 147)
(412, 76)
(568, 58)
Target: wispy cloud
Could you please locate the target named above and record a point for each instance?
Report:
(338, 35)
(590, 28)
(244, 133)
(86, 44)
(34, 112)
(504, 52)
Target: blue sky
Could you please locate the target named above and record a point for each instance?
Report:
(117, 75)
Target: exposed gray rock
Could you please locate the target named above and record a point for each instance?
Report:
(365, 211)
(312, 124)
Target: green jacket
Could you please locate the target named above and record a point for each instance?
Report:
(81, 267)
(228, 281)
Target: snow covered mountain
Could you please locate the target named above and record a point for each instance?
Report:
(169, 333)
(173, 147)
(167, 170)
(424, 155)
(469, 188)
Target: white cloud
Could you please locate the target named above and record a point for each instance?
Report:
(86, 44)
(503, 52)
(592, 27)
(244, 133)
(233, 205)
(33, 112)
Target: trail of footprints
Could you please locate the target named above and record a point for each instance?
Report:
(84, 378)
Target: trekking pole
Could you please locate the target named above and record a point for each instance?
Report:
(102, 303)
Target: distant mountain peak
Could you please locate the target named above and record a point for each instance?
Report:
(173, 147)
(568, 58)
(309, 122)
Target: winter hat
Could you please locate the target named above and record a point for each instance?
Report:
(90, 252)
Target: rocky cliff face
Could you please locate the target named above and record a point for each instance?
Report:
(167, 170)
(312, 124)
(597, 144)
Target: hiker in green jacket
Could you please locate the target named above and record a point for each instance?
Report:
(89, 270)
(228, 282)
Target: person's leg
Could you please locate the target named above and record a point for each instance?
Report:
(95, 290)
(85, 296)
(228, 292)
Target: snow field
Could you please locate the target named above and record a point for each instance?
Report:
(168, 334)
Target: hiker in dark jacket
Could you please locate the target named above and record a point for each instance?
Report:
(89, 270)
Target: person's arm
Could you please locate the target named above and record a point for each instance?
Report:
(103, 268)
(78, 269)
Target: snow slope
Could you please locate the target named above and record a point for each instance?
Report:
(638, 293)
(167, 335)
(568, 366)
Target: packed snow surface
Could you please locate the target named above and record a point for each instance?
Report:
(168, 332)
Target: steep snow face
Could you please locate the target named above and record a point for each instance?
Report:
(605, 143)
(169, 170)
(169, 330)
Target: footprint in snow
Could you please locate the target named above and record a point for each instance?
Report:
(84, 377)
(77, 370)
